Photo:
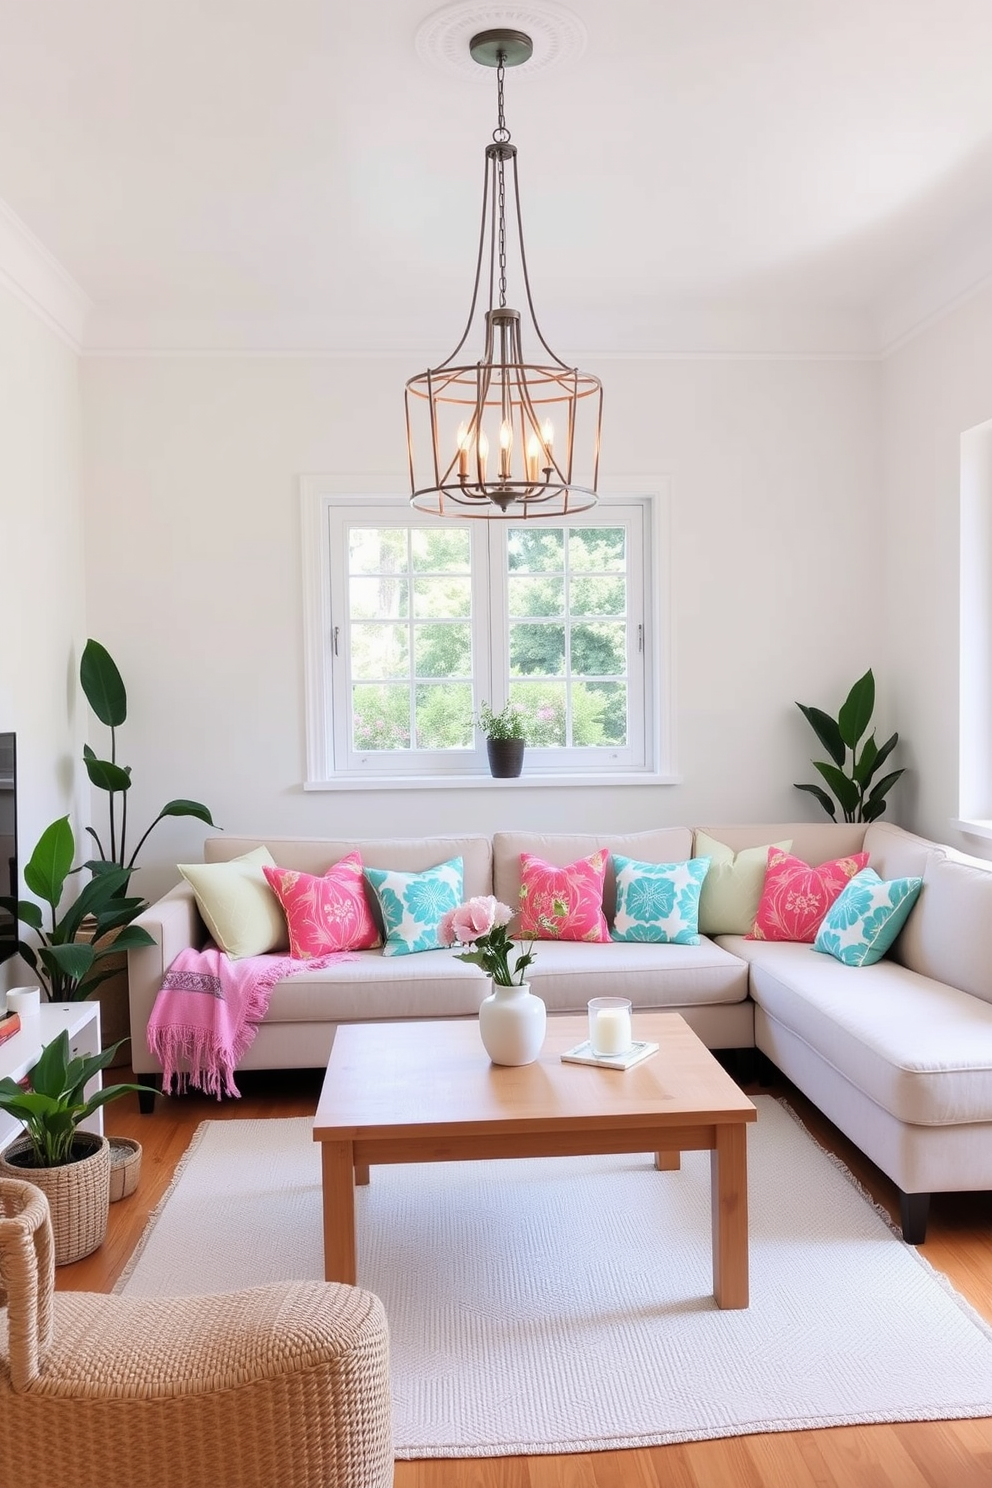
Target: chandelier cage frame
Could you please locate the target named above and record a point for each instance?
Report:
(539, 424)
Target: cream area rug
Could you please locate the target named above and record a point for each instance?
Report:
(565, 1304)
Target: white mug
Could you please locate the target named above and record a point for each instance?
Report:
(24, 1000)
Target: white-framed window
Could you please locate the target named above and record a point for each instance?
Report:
(412, 622)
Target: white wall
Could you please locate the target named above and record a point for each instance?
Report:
(41, 567)
(933, 389)
(193, 580)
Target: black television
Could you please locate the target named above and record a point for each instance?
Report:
(8, 840)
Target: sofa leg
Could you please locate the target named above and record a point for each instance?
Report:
(914, 1211)
(146, 1096)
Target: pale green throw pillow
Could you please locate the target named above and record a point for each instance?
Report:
(731, 892)
(239, 909)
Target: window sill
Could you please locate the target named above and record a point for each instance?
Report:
(485, 782)
(971, 828)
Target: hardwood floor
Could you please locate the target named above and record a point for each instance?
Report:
(942, 1454)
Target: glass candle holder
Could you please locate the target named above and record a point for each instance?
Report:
(610, 1030)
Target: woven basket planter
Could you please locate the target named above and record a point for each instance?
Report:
(125, 1165)
(78, 1193)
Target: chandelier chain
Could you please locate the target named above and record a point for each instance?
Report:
(501, 136)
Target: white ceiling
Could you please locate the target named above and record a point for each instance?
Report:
(704, 175)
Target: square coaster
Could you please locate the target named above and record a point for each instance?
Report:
(582, 1054)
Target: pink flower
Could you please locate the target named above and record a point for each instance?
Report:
(445, 929)
(476, 918)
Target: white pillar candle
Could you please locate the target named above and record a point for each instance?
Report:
(611, 1030)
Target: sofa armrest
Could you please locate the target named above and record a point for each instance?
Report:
(175, 925)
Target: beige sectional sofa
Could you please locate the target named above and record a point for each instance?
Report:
(898, 1055)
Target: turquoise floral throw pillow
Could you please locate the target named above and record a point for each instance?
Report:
(412, 904)
(863, 922)
(658, 901)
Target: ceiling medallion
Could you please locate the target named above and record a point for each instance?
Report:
(443, 39)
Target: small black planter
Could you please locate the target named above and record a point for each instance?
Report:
(506, 757)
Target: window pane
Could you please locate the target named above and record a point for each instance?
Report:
(544, 710)
(384, 598)
(379, 651)
(440, 550)
(599, 650)
(537, 650)
(444, 716)
(442, 599)
(380, 717)
(537, 597)
(599, 713)
(535, 549)
(443, 651)
(596, 549)
(598, 596)
(376, 549)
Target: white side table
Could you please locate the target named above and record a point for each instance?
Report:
(19, 1054)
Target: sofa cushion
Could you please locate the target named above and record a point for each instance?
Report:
(948, 936)
(918, 1048)
(663, 845)
(860, 925)
(329, 913)
(237, 905)
(796, 895)
(562, 903)
(732, 888)
(813, 841)
(408, 854)
(566, 974)
(368, 989)
(658, 901)
(413, 904)
(895, 853)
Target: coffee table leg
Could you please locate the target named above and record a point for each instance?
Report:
(361, 1172)
(728, 1180)
(337, 1161)
(668, 1162)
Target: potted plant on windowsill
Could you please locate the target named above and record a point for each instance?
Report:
(71, 1167)
(506, 738)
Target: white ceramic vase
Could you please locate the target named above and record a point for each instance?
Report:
(512, 1022)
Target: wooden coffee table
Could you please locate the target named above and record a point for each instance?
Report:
(426, 1092)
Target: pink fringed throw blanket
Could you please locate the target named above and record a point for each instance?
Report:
(206, 1014)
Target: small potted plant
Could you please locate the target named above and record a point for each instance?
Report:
(71, 1167)
(506, 737)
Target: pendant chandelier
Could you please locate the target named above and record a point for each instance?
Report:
(502, 437)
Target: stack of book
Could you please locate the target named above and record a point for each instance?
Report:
(10, 1023)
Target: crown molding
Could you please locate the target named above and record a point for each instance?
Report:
(37, 278)
(940, 286)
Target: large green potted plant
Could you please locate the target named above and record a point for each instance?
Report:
(70, 1166)
(70, 969)
(106, 694)
(855, 758)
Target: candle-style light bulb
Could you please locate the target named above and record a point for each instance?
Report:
(548, 440)
(505, 446)
(534, 448)
(483, 451)
(464, 444)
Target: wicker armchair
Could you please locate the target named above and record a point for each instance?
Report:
(275, 1387)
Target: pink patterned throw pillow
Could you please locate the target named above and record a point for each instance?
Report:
(325, 914)
(796, 896)
(563, 903)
